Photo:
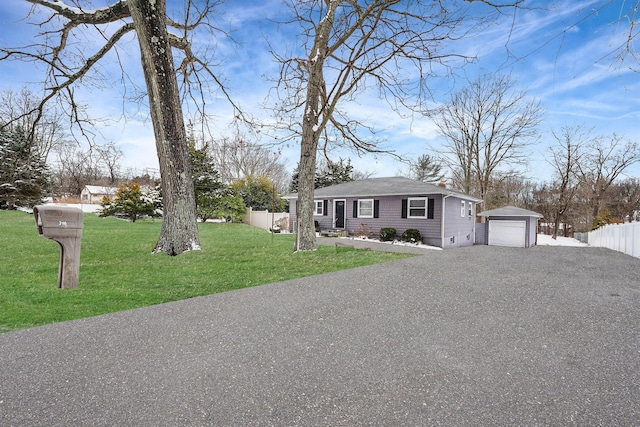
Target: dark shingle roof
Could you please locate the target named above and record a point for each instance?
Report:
(510, 211)
(376, 187)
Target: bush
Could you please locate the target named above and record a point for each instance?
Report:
(411, 235)
(363, 231)
(129, 202)
(387, 234)
(603, 218)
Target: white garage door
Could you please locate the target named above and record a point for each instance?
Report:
(507, 233)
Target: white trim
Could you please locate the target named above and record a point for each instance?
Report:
(442, 220)
(360, 215)
(344, 213)
(426, 207)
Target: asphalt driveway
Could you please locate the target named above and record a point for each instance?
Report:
(464, 337)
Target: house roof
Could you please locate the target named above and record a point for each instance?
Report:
(510, 211)
(391, 186)
(100, 189)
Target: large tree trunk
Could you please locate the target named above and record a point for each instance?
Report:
(305, 228)
(311, 129)
(179, 227)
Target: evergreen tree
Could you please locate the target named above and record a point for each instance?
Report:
(334, 173)
(129, 202)
(427, 169)
(24, 176)
(331, 173)
(260, 194)
(213, 198)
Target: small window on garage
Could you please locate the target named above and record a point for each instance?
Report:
(470, 209)
(463, 209)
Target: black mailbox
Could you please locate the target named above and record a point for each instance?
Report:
(62, 224)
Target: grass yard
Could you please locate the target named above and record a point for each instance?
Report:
(118, 271)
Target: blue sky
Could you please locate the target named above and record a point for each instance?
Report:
(563, 53)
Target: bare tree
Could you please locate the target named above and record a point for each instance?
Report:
(349, 48)
(20, 109)
(487, 126)
(625, 203)
(110, 156)
(509, 189)
(632, 18)
(73, 168)
(565, 159)
(242, 159)
(605, 160)
(63, 33)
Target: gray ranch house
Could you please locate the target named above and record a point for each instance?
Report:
(444, 217)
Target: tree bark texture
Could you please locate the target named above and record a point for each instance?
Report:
(305, 228)
(179, 227)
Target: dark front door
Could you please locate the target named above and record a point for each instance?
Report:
(339, 212)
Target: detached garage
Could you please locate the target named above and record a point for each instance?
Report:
(511, 226)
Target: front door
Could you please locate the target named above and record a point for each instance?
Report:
(338, 208)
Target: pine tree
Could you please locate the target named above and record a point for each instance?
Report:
(329, 174)
(24, 176)
(427, 169)
(260, 194)
(129, 202)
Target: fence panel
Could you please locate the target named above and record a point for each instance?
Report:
(267, 220)
(623, 238)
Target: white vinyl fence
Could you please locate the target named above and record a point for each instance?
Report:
(267, 220)
(619, 237)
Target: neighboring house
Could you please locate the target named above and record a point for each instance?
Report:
(510, 226)
(93, 194)
(445, 218)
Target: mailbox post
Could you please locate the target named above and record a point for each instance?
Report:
(62, 224)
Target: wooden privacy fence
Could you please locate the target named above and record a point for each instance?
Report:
(267, 220)
(623, 238)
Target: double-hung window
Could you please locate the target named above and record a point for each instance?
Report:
(365, 208)
(417, 208)
(463, 209)
(318, 207)
(470, 209)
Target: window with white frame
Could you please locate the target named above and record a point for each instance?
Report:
(463, 209)
(470, 209)
(318, 207)
(365, 208)
(417, 208)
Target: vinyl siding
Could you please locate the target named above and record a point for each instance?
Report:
(458, 230)
(390, 215)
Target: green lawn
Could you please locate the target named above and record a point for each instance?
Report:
(118, 271)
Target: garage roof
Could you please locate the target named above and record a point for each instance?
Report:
(510, 211)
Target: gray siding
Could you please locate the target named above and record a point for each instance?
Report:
(481, 234)
(459, 230)
(390, 215)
